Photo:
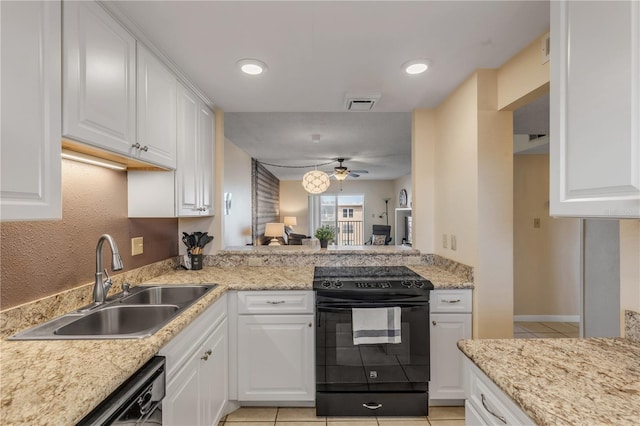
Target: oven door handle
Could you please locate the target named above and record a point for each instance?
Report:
(323, 308)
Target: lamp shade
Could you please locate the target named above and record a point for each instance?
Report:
(290, 221)
(315, 181)
(274, 230)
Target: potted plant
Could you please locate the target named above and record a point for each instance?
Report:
(324, 234)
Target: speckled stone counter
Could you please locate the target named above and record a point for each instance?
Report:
(59, 382)
(593, 381)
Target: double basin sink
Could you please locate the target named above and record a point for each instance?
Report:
(139, 313)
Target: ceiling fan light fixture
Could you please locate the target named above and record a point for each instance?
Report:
(416, 66)
(316, 182)
(341, 175)
(252, 66)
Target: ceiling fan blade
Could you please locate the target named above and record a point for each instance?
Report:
(355, 175)
(359, 171)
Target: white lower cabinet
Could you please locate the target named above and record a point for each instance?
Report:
(450, 322)
(276, 346)
(197, 370)
(486, 404)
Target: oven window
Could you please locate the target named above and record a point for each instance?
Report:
(345, 367)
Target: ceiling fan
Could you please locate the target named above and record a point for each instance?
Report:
(340, 172)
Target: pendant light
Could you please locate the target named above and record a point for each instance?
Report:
(315, 182)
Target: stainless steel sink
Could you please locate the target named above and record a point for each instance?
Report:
(164, 295)
(119, 320)
(140, 313)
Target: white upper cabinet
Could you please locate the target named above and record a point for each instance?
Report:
(157, 86)
(195, 155)
(31, 114)
(189, 190)
(99, 69)
(595, 109)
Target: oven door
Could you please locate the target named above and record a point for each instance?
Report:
(342, 366)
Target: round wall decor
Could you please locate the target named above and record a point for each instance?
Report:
(403, 198)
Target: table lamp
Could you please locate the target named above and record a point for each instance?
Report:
(274, 230)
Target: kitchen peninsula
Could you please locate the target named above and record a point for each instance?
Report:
(60, 378)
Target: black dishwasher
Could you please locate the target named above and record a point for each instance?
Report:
(138, 401)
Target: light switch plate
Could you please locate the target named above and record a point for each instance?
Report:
(454, 243)
(137, 246)
(444, 240)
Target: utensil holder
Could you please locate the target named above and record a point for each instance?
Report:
(196, 262)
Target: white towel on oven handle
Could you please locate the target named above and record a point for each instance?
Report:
(376, 325)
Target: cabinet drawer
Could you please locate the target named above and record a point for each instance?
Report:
(455, 301)
(490, 402)
(272, 302)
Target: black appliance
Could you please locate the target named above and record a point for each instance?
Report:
(382, 379)
(136, 402)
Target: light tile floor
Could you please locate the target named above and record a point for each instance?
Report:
(274, 416)
(539, 330)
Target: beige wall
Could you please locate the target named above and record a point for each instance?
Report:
(456, 173)
(547, 259)
(468, 144)
(629, 268)
(523, 78)
(294, 201)
(494, 269)
(423, 143)
(46, 257)
(237, 181)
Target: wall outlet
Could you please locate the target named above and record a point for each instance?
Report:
(454, 243)
(536, 222)
(137, 246)
(444, 240)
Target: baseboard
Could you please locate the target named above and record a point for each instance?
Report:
(546, 318)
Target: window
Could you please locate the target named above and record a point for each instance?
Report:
(345, 213)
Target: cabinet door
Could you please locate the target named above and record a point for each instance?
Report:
(98, 78)
(275, 358)
(214, 375)
(595, 109)
(30, 87)
(182, 404)
(156, 111)
(447, 368)
(187, 166)
(206, 160)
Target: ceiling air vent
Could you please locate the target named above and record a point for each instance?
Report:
(361, 102)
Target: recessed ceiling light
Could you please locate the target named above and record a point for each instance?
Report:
(416, 66)
(252, 66)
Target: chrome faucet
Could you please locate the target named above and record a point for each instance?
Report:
(101, 287)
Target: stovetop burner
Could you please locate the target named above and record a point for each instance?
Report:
(363, 278)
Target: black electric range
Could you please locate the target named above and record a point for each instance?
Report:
(371, 379)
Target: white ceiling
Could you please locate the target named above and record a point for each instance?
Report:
(317, 51)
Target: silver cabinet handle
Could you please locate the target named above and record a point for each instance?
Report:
(144, 148)
(433, 322)
(484, 404)
(136, 145)
(372, 405)
(310, 325)
(452, 301)
(206, 355)
(278, 302)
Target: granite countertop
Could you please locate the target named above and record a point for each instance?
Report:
(66, 379)
(593, 381)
